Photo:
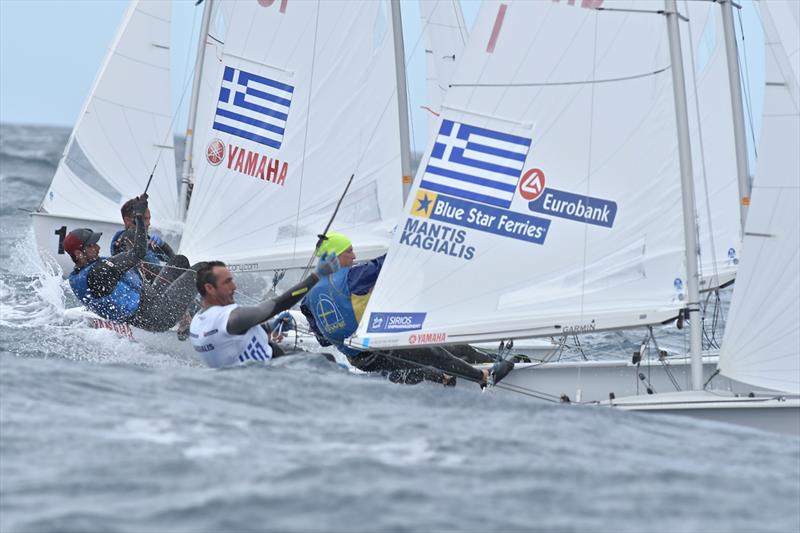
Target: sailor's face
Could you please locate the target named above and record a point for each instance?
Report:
(347, 257)
(91, 252)
(225, 288)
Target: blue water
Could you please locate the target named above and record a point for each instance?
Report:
(100, 433)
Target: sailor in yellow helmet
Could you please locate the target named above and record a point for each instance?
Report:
(335, 305)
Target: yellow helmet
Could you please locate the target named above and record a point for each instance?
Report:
(334, 242)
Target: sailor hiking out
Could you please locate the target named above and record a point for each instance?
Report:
(334, 306)
(224, 333)
(113, 287)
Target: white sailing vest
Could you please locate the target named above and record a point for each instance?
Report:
(217, 348)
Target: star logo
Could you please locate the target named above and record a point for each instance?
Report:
(423, 204)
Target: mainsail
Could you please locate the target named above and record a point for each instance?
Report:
(305, 96)
(550, 202)
(123, 131)
(762, 336)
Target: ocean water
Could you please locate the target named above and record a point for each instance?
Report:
(101, 433)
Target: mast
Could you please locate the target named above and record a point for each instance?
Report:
(187, 173)
(402, 97)
(737, 108)
(687, 188)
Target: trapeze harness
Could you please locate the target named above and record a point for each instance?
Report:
(336, 310)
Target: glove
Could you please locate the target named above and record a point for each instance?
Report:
(282, 322)
(328, 264)
(140, 205)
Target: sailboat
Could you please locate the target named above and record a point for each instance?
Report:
(262, 193)
(548, 203)
(761, 346)
(122, 136)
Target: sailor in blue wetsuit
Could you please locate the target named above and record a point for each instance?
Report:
(113, 287)
(334, 306)
(158, 252)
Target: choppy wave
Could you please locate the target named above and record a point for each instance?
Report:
(101, 433)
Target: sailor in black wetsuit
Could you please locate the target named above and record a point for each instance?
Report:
(113, 287)
(159, 253)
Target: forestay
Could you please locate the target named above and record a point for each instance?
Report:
(445, 37)
(713, 145)
(305, 97)
(124, 128)
(762, 336)
(550, 202)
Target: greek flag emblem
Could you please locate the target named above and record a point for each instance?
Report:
(253, 107)
(476, 163)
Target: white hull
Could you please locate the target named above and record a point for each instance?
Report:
(50, 230)
(593, 381)
(768, 412)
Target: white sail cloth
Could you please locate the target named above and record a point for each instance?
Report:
(445, 37)
(123, 129)
(550, 202)
(762, 335)
(305, 96)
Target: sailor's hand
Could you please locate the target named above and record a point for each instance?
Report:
(156, 241)
(282, 322)
(328, 264)
(140, 205)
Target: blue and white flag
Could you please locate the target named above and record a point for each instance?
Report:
(476, 163)
(253, 107)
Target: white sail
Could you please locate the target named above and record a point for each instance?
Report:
(305, 97)
(445, 36)
(762, 336)
(550, 202)
(713, 145)
(123, 129)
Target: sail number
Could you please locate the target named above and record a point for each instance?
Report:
(62, 234)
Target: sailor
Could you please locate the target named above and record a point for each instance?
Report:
(113, 287)
(334, 306)
(158, 251)
(224, 333)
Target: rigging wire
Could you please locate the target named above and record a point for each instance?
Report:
(702, 161)
(305, 133)
(745, 81)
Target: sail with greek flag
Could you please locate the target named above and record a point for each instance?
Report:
(584, 231)
(304, 97)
